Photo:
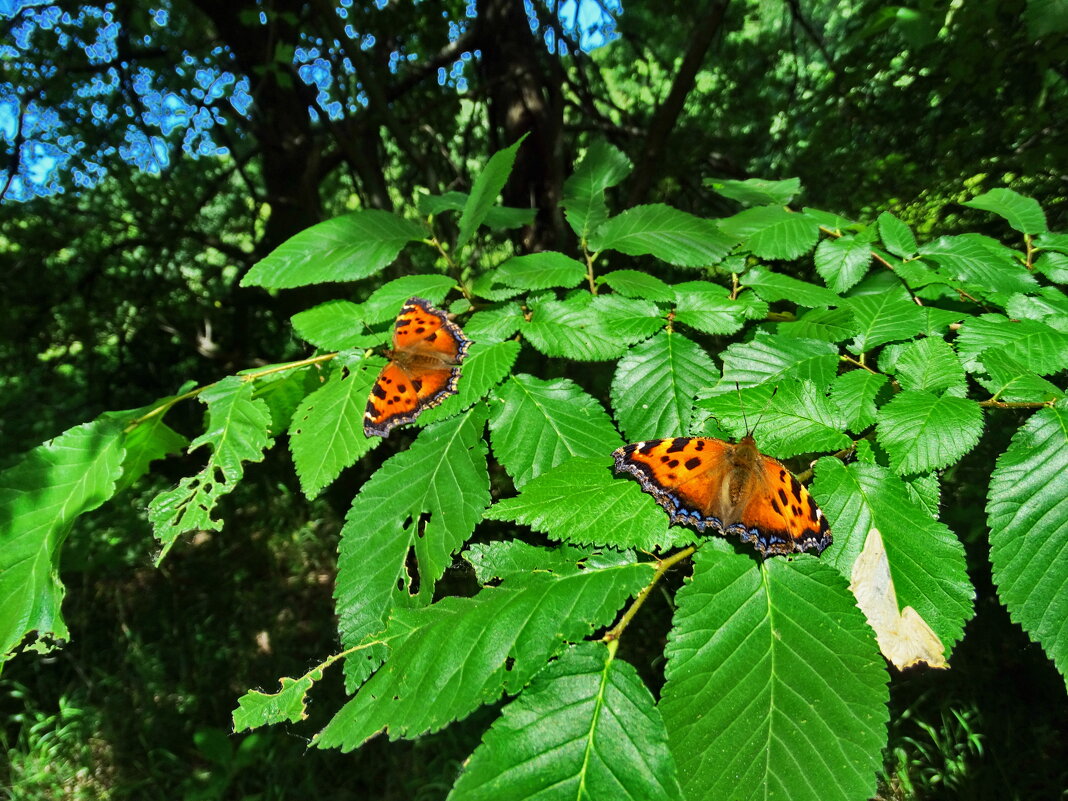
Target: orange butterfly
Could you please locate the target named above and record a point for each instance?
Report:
(731, 489)
(424, 366)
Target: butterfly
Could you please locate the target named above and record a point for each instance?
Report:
(729, 488)
(423, 369)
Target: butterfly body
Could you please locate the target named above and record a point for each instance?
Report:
(423, 369)
(730, 488)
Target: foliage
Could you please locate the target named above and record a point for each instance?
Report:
(769, 665)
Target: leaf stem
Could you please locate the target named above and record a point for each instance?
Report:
(662, 567)
(590, 259)
(996, 404)
(847, 358)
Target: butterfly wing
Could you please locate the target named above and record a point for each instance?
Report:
(684, 474)
(780, 516)
(424, 370)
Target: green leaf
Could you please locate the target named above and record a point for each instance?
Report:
(1028, 518)
(628, 320)
(978, 262)
(1010, 381)
(541, 271)
(385, 303)
(498, 217)
(486, 365)
(602, 167)
(797, 419)
(282, 392)
(405, 524)
(326, 434)
(666, 233)
(855, 393)
(1049, 304)
(926, 560)
(937, 321)
(1021, 212)
(829, 220)
(345, 248)
(536, 425)
(774, 686)
(1034, 345)
(40, 498)
(757, 191)
(772, 232)
(655, 384)
(1046, 17)
(772, 286)
(255, 708)
(496, 640)
(581, 502)
(635, 284)
(336, 325)
(586, 727)
(485, 190)
(923, 432)
(570, 328)
(237, 432)
(1054, 265)
(930, 365)
(896, 236)
(828, 325)
(883, 318)
(771, 359)
(708, 307)
(842, 262)
(148, 441)
(502, 558)
(494, 324)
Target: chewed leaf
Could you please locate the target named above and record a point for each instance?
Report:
(290, 703)
(904, 637)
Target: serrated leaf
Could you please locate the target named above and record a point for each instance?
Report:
(326, 434)
(282, 392)
(602, 167)
(635, 284)
(1054, 265)
(149, 440)
(655, 385)
(772, 286)
(581, 502)
(774, 683)
(486, 365)
(405, 524)
(1028, 518)
(237, 432)
(855, 393)
(1012, 382)
(977, 261)
(256, 708)
(882, 319)
(769, 359)
(828, 325)
(930, 364)
(629, 320)
(923, 432)
(896, 236)
(497, 640)
(542, 270)
(842, 262)
(937, 321)
(666, 233)
(772, 232)
(1032, 344)
(570, 328)
(498, 217)
(586, 727)
(485, 190)
(40, 498)
(494, 324)
(926, 560)
(1049, 304)
(1021, 212)
(345, 248)
(502, 558)
(336, 325)
(829, 220)
(796, 419)
(708, 307)
(535, 425)
(385, 303)
(925, 491)
(757, 191)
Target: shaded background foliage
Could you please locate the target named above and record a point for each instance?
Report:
(155, 151)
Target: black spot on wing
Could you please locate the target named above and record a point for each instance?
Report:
(693, 464)
(678, 444)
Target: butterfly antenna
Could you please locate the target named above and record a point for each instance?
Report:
(767, 403)
(741, 406)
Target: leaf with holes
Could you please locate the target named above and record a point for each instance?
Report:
(497, 640)
(774, 686)
(502, 558)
